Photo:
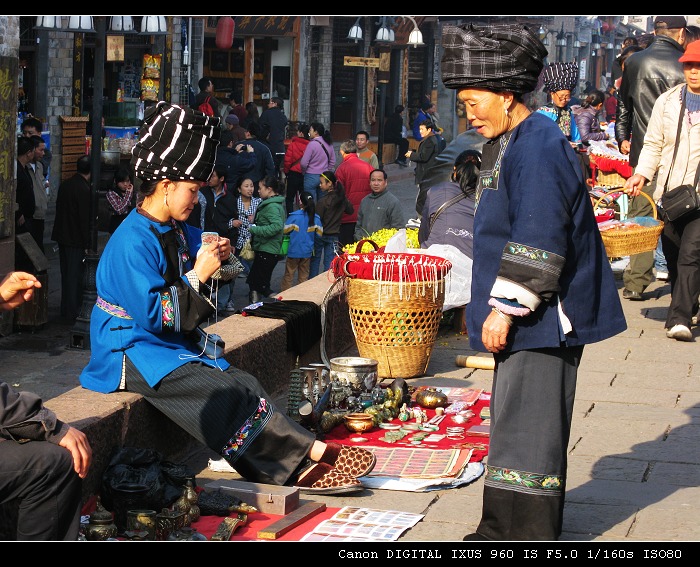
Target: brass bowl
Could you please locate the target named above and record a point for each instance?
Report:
(359, 422)
(431, 398)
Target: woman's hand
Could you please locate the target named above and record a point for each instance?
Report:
(634, 185)
(224, 248)
(625, 146)
(494, 333)
(209, 260)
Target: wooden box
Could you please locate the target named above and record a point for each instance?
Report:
(267, 498)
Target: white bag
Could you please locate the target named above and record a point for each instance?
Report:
(458, 282)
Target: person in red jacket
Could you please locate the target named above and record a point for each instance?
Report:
(354, 174)
(292, 167)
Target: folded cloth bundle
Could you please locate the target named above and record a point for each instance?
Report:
(303, 319)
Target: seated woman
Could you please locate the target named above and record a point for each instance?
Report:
(154, 290)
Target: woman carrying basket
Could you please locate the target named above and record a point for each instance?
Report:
(672, 147)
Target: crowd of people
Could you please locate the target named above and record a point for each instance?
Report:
(288, 199)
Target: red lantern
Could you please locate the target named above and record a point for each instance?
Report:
(224, 32)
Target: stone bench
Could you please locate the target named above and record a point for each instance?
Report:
(253, 344)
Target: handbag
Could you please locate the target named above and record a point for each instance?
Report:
(210, 344)
(681, 200)
(247, 252)
(229, 269)
(284, 248)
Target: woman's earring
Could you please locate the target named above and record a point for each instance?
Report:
(506, 110)
(165, 199)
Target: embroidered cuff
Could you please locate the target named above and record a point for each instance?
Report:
(193, 279)
(509, 308)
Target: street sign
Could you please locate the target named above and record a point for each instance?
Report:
(360, 61)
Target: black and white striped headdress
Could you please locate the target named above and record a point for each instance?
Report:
(176, 143)
(560, 76)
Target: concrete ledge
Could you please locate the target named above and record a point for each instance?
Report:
(253, 344)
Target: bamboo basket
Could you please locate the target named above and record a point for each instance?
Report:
(605, 178)
(396, 323)
(633, 240)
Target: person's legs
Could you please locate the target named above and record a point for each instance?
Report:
(303, 267)
(289, 269)
(232, 414)
(685, 282)
(72, 270)
(331, 249)
(660, 264)
(531, 408)
(420, 198)
(311, 181)
(316, 257)
(40, 477)
(640, 271)
(347, 233)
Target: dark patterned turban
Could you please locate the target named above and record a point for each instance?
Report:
(500, 57)
(560, 77)
(176, 143)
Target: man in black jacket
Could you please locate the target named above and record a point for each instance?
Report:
(647, 75)
(273, 128)
(264, 164)
(71, 229)
(42, 459)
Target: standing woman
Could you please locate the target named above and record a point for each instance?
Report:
(267, 235)
(318, 156)
(120, 197)
(292, 165)
(676, 158)
(332, 205)
(247, 206)
(537, 267)
(153, 288)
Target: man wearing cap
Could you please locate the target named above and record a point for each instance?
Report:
(647, 74)
(233, 123)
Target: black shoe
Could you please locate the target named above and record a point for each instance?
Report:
(632, 295)
(474, 537)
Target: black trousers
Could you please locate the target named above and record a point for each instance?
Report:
(532, 403)
(402, 144)
(230, 413)
(72, 273)
(42, 491)
(681, 244)
(261, 272)
(295, 184)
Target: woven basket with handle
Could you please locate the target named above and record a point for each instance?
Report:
(634, 239)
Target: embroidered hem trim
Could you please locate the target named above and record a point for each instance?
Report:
(112, 309)
(521, 481)
(248, 432)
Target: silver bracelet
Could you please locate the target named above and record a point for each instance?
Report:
(507, 318)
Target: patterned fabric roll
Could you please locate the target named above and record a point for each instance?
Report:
(176, 143)
(502, 57)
